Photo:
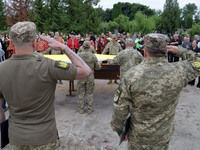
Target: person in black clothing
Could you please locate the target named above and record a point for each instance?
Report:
(122, 43)
(3, 45)
(92, 37)
(196, 50)
(174, 42)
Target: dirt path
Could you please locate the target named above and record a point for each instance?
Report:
(93, 132)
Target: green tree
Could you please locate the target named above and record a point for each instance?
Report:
(117, 10)
(195, 30)
(39, 14)
(2, 16)
(188, 21)
(53, 16)
(188, 12)
(190, 8)
(157, 19)
(123, 23)
(100, 12)
(91, 20)
(107, 15)
(112, 25)
(129, 10)
(142, 23)
(170, 16)
(142, 8)
(197, 19)
(80, 16)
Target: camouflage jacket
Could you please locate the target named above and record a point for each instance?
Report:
(150, 93)
(112, 48)
(127, 58)
(92, 61)
(92, 50)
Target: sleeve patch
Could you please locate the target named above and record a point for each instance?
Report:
(118, 90)
(196, 64)
(117, 95)
(62, 65)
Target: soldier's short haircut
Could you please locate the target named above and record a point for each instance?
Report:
(23, 32)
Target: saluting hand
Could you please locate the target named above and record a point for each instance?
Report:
(172, 49)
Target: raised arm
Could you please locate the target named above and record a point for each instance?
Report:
(191, 63)
(83, 70)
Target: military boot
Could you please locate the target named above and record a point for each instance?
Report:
(81, 111)
(90, 111)
(116, 82)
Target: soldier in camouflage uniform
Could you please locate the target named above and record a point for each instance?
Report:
(29, 89)
(86, 86)
(127, 58)
(91, 49)
(112, 48)
(149, 92)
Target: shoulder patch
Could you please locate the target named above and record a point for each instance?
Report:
(195, 64)
(117, 95)
(62, 65)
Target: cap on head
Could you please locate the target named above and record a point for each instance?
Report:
(114, 36)
(129, 41)
(23, 32)
(156, 43)
(86, 44)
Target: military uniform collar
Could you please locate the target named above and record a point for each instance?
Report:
(155, 60)
(24, 56)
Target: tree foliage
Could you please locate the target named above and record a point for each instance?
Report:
(112, 25)
(82, 17)
(142, 8)
(129, 10)
(142, 23)
(66, 16)
(39, 14)
(18, 10)
(195, 30)
(188, 21)
(107, 15)
(190, 8)
(123, 23)
(170, 16)
(2, 15)
(188, 12)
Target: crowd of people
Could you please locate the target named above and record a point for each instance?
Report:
(148, 91)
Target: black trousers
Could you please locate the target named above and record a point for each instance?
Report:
(193, 82)
(172, 57)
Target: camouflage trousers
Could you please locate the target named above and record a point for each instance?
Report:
(85, 90)
(50, 146)
(148, 147)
